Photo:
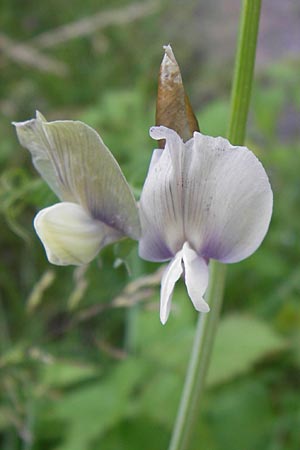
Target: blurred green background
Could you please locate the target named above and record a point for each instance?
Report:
(85, 363)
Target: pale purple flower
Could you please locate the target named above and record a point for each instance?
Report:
(202, 199)
(97, 206)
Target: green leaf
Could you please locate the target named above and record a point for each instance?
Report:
(160, 396)
(63, 373)
(238, 416)
(91, 410)
(139, 433)
(241, 342)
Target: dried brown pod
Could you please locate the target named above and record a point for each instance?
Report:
(173, 108)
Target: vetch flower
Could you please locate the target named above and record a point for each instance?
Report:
(97, 206)
(202, 199)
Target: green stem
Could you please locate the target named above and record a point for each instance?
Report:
(207, 324)
(244, 71)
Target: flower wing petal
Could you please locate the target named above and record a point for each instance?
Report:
(70, 235)
(196, 277)
(84, 170)
(228, 200)
(171, 274)
(161, 200)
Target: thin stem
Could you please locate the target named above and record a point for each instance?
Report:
(207, 324)
(199, 361)
(244, 71)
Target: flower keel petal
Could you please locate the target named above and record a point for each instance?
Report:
(172, 274)
(196, 277)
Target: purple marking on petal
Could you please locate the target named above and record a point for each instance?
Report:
(211, 249)
(154, 250)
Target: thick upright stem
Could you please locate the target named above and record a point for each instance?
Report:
(207, 324)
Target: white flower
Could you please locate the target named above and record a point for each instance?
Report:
(97, 206)
(202, 199)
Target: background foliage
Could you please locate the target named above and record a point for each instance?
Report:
(85, 362)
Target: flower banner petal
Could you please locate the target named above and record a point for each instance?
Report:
(32, 136)
(196, 277)
(171, 274)
(70, 235)
(84, 170)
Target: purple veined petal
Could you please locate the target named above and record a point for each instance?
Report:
(155, 158)
(196, 277)
(161, 200)
(174, 145)
(207, 192)
(78, 166)
(153, 245)
(171, 274)
(70, 235)
(227, 199)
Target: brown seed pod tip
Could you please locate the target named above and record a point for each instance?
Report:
(169, 69)
(173, 109)
(169, 53)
